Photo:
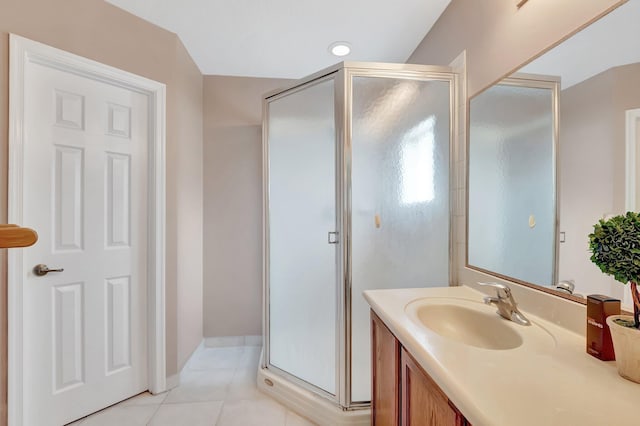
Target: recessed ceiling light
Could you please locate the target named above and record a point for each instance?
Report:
(340, 48)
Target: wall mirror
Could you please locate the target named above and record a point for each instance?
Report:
(554, 148)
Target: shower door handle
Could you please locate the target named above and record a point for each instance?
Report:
(332, 238)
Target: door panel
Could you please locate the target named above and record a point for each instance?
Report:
(423, 403)
(385, 377)
(400, 143)
(68, 343)
(118, 310)
(118, 190)
(85, 191)
(69, 175)
(302, 262)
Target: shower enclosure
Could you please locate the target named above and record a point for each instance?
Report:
(356, 197)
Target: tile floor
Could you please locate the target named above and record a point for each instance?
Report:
(217, 388)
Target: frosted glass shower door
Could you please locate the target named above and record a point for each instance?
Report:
(512, 192)
(401, 131)
(301, 215)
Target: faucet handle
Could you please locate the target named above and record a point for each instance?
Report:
(498, 287)
(507, 306)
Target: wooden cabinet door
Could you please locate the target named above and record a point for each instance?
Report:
(423, 403)
(385, 392)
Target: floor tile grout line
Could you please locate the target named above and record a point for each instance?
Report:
(154, 414)
(219, 413)
(243, 364)
(227, 386)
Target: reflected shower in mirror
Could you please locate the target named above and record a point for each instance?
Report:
(512, 132)
(598, 148)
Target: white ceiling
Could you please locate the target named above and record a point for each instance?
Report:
(612, 41)
(289, 38)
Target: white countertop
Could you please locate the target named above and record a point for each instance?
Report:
(550, 384)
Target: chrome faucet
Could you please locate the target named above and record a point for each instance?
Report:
(507, 306)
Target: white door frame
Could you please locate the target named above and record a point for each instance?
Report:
(22, 52)
(632, 138)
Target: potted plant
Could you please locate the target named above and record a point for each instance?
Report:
(615, 248)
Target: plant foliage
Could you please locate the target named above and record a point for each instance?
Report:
(615, 247)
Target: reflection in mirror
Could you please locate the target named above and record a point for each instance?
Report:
(598, 70)
(512, 179)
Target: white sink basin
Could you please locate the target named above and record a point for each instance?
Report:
(473, 323)
(481, 329)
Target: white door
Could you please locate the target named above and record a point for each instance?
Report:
(85, 191)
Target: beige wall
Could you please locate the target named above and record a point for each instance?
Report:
(498, 37)
(233, 204)
(587, 143)
(592, 168)
(99, 31)
(186, 153)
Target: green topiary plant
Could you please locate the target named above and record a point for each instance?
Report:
(615, 248)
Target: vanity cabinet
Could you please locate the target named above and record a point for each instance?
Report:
(403, 394)
(385, 401)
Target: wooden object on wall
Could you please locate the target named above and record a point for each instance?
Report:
(385, 381)
(12, 236)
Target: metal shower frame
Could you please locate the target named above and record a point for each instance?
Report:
(343, 74)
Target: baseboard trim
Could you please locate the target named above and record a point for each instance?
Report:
(227, 341)
(173, 381)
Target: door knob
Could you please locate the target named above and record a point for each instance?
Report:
(42, 269)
